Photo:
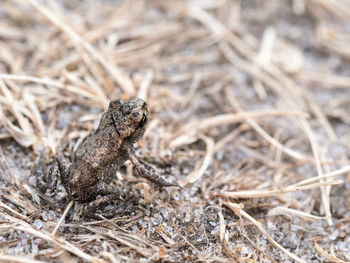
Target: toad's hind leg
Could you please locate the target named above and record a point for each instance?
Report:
(108, 194)
(47, 181)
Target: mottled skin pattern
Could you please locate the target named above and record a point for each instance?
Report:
(101, 154)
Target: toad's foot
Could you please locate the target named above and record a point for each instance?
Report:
(145, 173)
(107, 193)
(124, 208)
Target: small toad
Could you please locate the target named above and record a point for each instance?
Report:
(103, 152)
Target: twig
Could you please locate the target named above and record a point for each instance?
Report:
(240, 212)
(69, 206)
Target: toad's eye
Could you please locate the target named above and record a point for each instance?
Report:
(143, 121)
(135, 114)
(115, 104)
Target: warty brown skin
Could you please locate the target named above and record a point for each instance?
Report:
(101, 154)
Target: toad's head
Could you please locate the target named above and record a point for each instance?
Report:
(129, 118)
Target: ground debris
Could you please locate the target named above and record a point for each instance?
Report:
(248, 111)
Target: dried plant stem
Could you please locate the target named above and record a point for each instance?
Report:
(69, 206)
(266, 193)
(198, 173)
(237, 209)
(341, 171)
(329, 257)
(25, 227)
(121, 78)
(279, 210)
(12, 258)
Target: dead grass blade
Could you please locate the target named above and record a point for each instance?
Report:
(143, 251)
(131, 240)
(324, 80)
(267, 193)
(237, 209)
(197, 173)
(329, 257)
(14, 212)
(24, 138)
(12, 258)
(280, 210)
(27, 228)
(121, 78)
(69, 206)
(261, 131)
(5, 175)
(88, 94)
(186, 133)
(341, 171)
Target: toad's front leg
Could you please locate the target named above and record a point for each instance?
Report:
(63, 166)
(147, 174)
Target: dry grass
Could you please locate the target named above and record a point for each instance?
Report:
(249, 107)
